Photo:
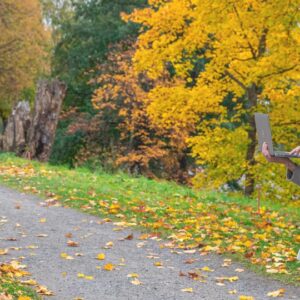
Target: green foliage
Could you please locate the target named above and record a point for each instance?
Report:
(66, 145)
(84, 41)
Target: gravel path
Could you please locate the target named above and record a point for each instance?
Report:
(25, 222)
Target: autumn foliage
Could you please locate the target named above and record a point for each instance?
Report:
(23, 44)
(127, 131)
(180, 96)
(250, 57)
(170, 91)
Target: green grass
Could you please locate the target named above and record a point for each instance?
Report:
(203, 220)
(16, 289)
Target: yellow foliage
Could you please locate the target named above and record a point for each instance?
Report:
(23, 43)
(251, 56)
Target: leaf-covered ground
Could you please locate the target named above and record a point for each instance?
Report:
(11, 286)
(267, 241)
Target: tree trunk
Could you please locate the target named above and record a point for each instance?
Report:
(47, 107)
(251, 103)
(15, 133)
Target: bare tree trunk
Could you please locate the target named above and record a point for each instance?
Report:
(251, 103)
(47, 107)
(15, 133)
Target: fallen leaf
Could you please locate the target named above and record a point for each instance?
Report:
(72, 244)
(278, 293)
(11, 239)
(242, 297)
(44, 291)
(66, 256)
(101, 256)
(135, 281)
(233, 292)
(129, 237)
(29, 282)
(187, 290)
(190, 261)
(144, 236)
(3, 251)
(133, 275)
(141, 244)
(108, 245)
(32, 247)
(226, 263)
(41, 235)
(230, 279)
(207, 269)
(43, 220)
(220, 284)
(158, 264)
(239, 270)
(109, 267)
(190, 251)
(5, 296)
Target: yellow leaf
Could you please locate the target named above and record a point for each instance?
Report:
(80, 275)
(109, 267)
(24, 298)
(43, 220)
(158, 264)
(135, 281)
(3, 251)
(66, 256)
(44, 291)
(207, 269)
(187, 290)
(242, 297)
(101, 256)
(133, 275)
(234, 278)
(29, 282)
(108, 245)
(278, 293)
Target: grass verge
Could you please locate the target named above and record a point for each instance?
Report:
(15, 290)
(266, 242)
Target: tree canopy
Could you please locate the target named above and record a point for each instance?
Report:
(84, 40)
(251, 50)
(23, 43)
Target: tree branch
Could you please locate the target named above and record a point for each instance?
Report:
(235, 79)
(278, 72)
(243, 30)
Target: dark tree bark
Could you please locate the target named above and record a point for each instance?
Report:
(44, 121)
(251, 103)
(16, 130)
